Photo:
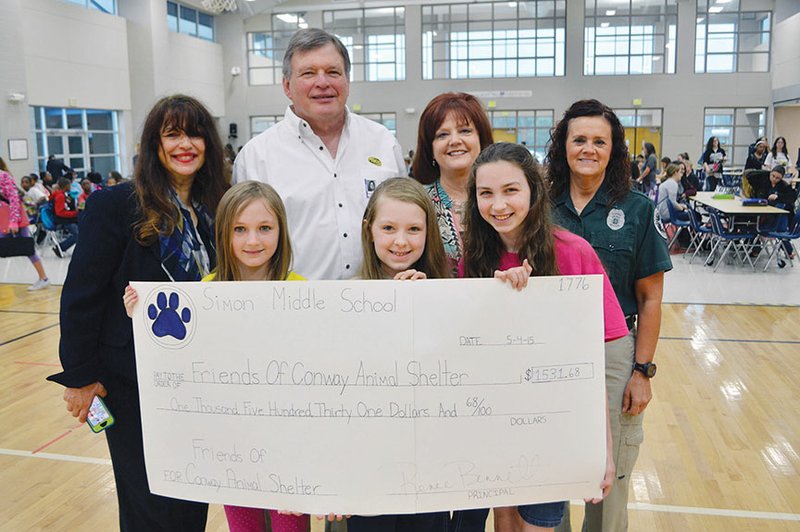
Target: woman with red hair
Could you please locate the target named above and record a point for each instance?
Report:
(453, 129)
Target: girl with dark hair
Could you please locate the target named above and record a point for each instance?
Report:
(778, 155)
(114, 178)
(158, 228)
(713, 159)
(510, 236)
(756, 159)
(66, 215)
(647, 178)
(453, 129)
(592, 198)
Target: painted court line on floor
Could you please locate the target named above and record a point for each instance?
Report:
(59, 457)
(734, 304)
(665, 508)
(748, 514)
(51, 442)
(44, 312)
(694, 510)
(48, 364)
(28, 334)
(735, 340)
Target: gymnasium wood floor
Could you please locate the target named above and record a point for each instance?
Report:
(721, 452)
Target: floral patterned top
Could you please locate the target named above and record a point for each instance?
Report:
(8, 188)
(449, 222)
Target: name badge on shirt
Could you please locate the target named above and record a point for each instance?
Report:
(369, 187)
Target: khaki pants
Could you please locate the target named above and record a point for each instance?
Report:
(611, 515)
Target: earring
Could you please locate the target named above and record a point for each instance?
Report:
(434, 163)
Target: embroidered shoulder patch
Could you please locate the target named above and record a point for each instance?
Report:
(375, 161)
(659, 225)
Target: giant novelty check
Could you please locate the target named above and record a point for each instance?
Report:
(368, 397)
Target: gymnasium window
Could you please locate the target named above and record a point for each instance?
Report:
(86, 139)
(630, 37)
(729, 39)
(388, 120)
(265, 49)
(374, 38)
(104, 6)
(190, 21)
(493, 39)
(262, 123)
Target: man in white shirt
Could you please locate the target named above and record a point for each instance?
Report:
(323, 160)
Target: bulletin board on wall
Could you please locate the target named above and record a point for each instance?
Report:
(17, 149)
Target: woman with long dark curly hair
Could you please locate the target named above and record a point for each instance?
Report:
(591, 194)
(156, 228)
(778, 155)
(713, 159)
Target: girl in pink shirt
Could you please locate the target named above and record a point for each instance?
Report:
(510, 236)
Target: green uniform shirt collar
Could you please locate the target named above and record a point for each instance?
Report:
(600, 199)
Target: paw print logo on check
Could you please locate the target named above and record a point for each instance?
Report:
(169, 317)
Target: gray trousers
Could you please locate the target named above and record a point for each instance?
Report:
(336, 526)
(611, 515)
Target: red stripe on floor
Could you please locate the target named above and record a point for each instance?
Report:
(51, 442)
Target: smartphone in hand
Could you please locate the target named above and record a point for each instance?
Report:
(99, 418)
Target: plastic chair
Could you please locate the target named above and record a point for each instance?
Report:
(47, 223)
(701, 177)
(679, 224)
(781, 238)
(700, 233)
(735, 241)
(731, 184)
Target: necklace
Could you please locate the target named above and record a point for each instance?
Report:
(458, 209)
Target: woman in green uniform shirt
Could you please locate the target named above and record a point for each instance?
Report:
(589, 172)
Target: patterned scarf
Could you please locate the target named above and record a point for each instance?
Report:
(183, 256)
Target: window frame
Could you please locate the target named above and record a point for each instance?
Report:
(273, 35)
(488, 39)
(384, 118)
(42, 131)
(363, 67)
(195, 29)
(93, 4)
(633, 36)
(734, 43)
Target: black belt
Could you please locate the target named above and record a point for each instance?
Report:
(630, 321)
